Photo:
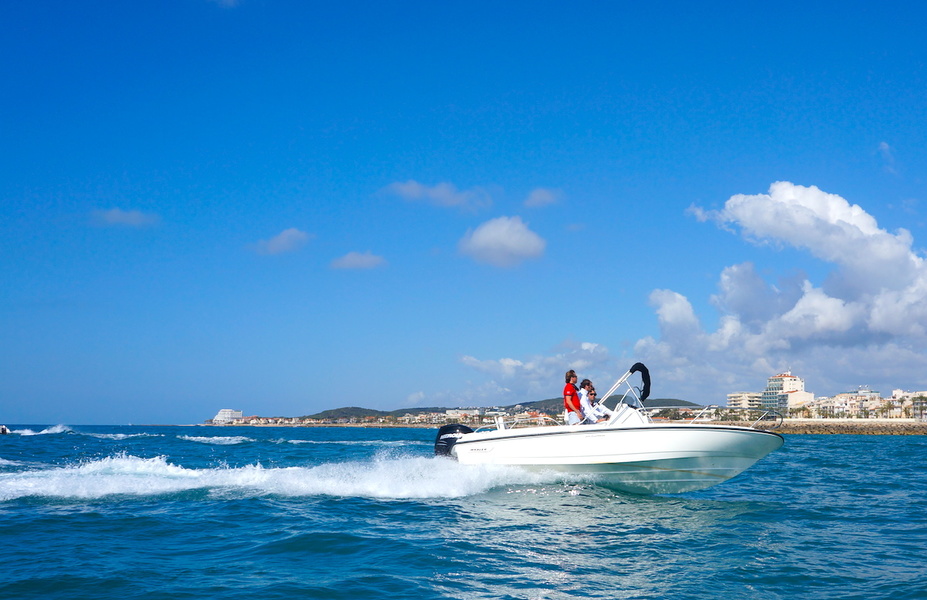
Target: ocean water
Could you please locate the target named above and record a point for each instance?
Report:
(229, 513)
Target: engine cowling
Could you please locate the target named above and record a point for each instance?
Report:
(448, 436)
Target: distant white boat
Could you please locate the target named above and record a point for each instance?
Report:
(630, 452)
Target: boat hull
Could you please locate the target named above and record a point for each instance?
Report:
(646, 459)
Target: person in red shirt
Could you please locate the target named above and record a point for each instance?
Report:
(574, 413)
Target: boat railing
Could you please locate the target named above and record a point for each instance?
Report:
(756, 418)
(517, 422)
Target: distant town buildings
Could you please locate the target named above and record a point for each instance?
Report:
(785, 393)
(782, 391)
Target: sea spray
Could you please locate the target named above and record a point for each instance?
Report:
(385, 478)
(47, 431)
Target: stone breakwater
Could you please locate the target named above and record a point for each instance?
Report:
(853, 426)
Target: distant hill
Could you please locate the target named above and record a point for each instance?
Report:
(348, 412)
(550, 406)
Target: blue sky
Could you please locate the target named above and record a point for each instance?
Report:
(283, 207)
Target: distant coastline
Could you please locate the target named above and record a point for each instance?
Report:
(789, 426)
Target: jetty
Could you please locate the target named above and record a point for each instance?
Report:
(854, 426)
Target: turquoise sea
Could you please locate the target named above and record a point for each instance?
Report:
(234, 513)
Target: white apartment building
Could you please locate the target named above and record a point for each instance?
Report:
(784, 391)
(798, 399)
(226, 416)
(900, 395)
(745, 400)
(463, 412)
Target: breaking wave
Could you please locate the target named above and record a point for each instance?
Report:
(220, 440)
(46, 431)
(121, 436)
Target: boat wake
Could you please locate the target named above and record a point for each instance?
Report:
(47, 431)
(383, 477)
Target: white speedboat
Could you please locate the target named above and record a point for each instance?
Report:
(635, 450)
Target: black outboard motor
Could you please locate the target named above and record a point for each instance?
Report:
(448, 436)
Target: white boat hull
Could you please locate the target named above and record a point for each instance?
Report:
(651, 458)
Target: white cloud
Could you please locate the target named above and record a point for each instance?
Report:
(415, 399)
(538, 377)
(358, 260)
(125, 218)
(888, 158)
(872, 308)
(442, 194)
(831, 229)
(486, 393)
(502, 242)
(288, 240)
(742, 291)
(701, 215)
(543, 197)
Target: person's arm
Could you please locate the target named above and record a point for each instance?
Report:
(588, 414)
(572, 402)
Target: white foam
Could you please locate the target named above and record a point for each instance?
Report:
(46, 431)
(404, 477)
(378, 443)
(219, 440)
(8, 463)
(122, 436)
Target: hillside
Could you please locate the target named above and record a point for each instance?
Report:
(550, 406)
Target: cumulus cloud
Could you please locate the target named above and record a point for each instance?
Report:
(502, 242)
(443, 195)
(872, 307)
(542, 197)
(830, 228)
(116, 217)
(358, 260)
(288, 240)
